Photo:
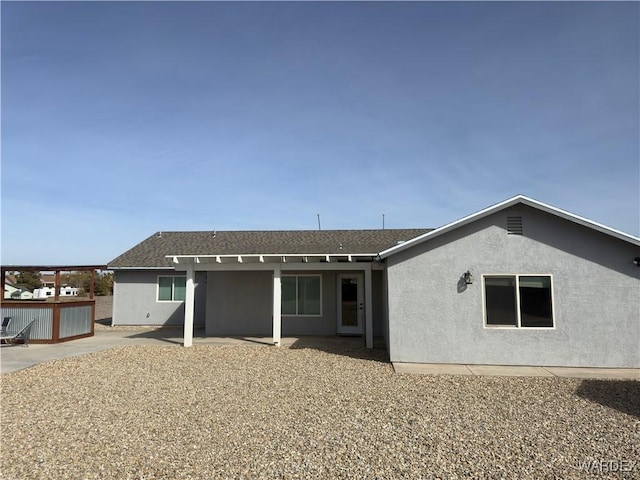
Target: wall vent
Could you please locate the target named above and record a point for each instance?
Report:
(514, 225)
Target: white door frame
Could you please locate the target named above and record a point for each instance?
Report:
(360, 304)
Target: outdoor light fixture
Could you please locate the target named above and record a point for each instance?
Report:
(468, 278)
(636, 261)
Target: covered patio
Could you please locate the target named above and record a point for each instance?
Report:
(355, 314)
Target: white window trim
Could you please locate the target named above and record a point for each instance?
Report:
(517, 326)
(303, 315)
(173, 282)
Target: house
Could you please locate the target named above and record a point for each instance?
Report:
(14, 292)
(518, 283)
(48, 279)
(50, 292)
(323, 282)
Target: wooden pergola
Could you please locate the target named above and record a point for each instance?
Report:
(56, 319)
(57, 270)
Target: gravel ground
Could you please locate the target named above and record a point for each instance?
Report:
(149, 412)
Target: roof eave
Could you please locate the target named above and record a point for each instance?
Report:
(518, 199)
(168, 267)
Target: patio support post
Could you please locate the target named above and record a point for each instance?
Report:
(92, 285)
(277, 306)
(189, 305)
(4, 279)
(368, 307)
(57, 286)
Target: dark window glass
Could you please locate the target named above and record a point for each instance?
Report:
(288, 285)
(535, 302)
(179, 288)
(165, 288)
(170, 289)
(500, 295)
(309, 295)
(300, 295)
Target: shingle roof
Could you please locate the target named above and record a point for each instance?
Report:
(152, 251)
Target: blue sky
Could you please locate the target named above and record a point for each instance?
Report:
(120, 119)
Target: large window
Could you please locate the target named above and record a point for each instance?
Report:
(171, 289)
(301, 294)
(521, 301)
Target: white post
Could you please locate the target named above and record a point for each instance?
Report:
(277, 307)
(368, 307)
(189, 304)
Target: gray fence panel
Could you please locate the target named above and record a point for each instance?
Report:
(20, 317)
(75, 321)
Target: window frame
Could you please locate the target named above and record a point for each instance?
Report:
(518, 325)
(173, 288)
(296, 276)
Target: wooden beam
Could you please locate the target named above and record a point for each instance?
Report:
(52, 268)
(4, 278)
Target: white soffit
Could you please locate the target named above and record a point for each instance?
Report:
(518, 199)
(272, 258)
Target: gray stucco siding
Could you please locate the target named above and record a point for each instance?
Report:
(136, 303)
(433, 318)
(378, 302)
(241, 303)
